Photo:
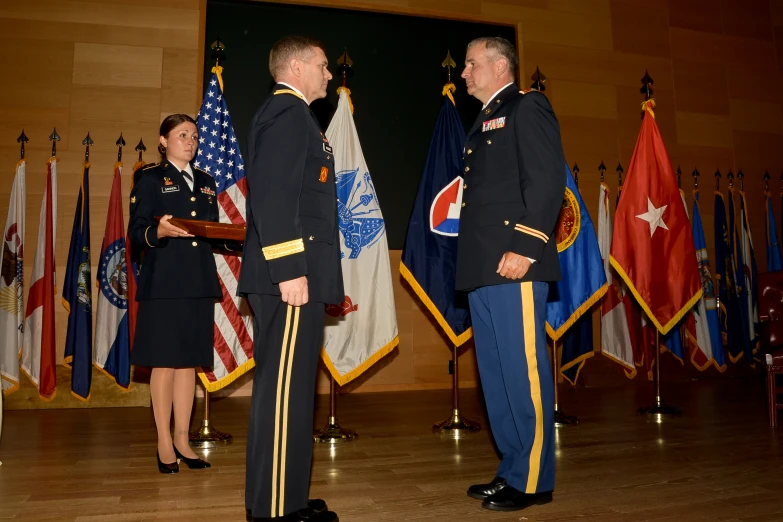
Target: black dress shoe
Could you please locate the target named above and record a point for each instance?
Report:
(196, 463)
(317, 505)
(167, 468)
(511, 499)
(304, 515)
(482, 491)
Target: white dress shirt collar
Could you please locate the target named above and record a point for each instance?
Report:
(297, 91)
(496, 93)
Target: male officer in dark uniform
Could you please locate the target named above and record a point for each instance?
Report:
(290, 271)
(512, 194)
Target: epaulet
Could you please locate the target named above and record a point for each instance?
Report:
(196, 169)
(525, 91)
(149, 166)
(288, 91)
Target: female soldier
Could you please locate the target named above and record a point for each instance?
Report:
(177, 287)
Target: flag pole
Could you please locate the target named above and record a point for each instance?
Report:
(333, 433)
(206, 436)
(561, 419)
(455, 424)
(659, 410)
(717, 276)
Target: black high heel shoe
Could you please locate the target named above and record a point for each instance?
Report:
(196, 463)
(167, 468)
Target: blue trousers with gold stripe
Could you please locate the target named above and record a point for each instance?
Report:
(287, 348)
(516, 376)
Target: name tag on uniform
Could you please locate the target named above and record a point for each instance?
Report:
(327, 148)
(497, 123)
(171, 188)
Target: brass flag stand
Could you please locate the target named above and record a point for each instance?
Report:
(207, 436)
(333, 433)
(456, 423)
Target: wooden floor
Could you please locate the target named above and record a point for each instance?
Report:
(719, 462)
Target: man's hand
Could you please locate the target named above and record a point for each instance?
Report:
(513, 266)
(294, 291)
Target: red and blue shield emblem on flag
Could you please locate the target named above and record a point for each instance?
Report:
(444, 212)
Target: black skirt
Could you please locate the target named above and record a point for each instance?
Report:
(174, 333)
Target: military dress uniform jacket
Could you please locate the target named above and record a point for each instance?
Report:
(292, 225)
(514, 183)
(173, 267)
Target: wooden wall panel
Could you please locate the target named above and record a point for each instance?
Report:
(111, 66)
(747, 18)
(698, 15)
(117, 65)
(632, 33)
(177, 82)
(588, 100)
(756, 116)
(555, 27)
(706, 130)
(702, 87)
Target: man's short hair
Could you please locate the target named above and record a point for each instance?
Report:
(497, 48)
(288, 48)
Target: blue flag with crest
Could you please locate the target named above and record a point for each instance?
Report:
(77, 296)
(583, 282)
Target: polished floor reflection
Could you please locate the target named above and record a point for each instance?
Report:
(718, 462)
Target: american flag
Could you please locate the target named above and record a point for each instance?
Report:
(219, 155)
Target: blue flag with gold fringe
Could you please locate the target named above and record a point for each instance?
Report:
(583, 282)
(77, 296)
(774, 260)
(430, 254)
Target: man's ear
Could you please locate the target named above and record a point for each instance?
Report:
(501, 66)
(295, 66)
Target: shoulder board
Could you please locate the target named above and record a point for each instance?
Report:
(149, 166)
(202, 171)
(288, 91)
(525, 91)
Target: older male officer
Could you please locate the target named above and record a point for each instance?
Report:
(513, 191)
(290, 271)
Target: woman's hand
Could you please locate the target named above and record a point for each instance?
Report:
(166, 229)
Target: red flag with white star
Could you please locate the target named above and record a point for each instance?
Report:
(652, 243)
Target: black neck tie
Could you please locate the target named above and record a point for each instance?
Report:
(187, 176)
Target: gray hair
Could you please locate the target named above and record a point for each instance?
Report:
(288, 48)
(498, 48)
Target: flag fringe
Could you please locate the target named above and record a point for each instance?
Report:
(219, 384)
(630, 371)
(557, 334)
(43, 398)
(663, 329)
(578, 361)
(11, 389)
(694, 347)
(342, 380)
(110, 376)
(457, 340)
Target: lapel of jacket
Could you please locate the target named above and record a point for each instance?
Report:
(492, 107)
